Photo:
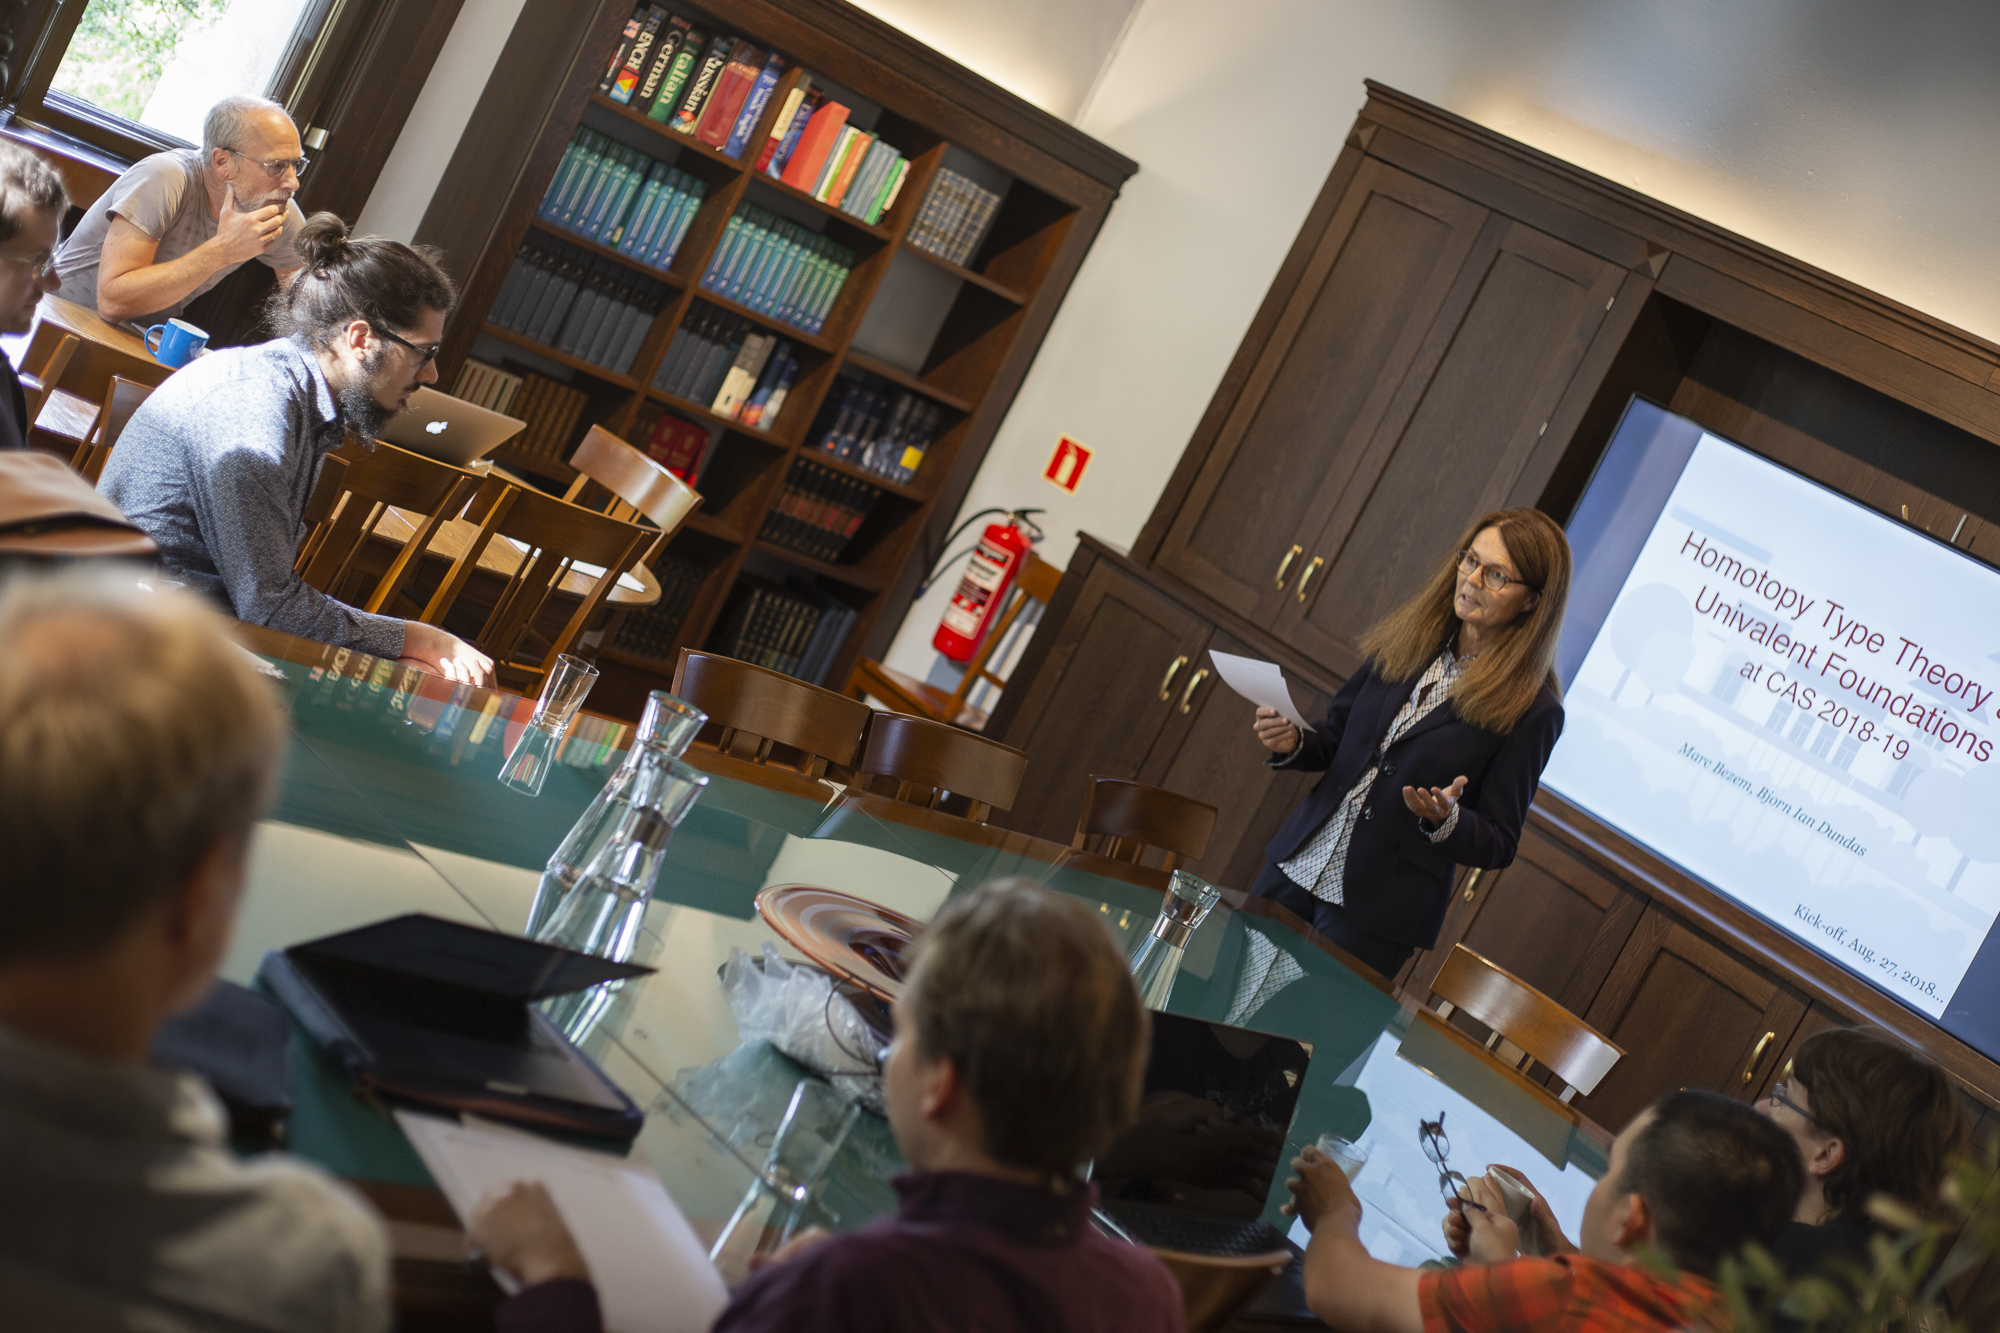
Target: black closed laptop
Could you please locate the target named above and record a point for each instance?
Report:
(1194, 1170)
(441, 1014)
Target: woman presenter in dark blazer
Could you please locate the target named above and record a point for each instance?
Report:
(1432, 750)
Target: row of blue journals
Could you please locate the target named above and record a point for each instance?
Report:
(778, 269)
(618, 197)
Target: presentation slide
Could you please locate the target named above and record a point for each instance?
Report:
(1793, 698)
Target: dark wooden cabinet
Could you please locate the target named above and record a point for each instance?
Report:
(1690, 1014)
(1287, 453)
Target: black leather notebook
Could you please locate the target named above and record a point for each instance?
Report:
(441, 1014)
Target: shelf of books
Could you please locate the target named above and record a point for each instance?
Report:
(745, 257)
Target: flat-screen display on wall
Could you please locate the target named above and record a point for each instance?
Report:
(1793, 698)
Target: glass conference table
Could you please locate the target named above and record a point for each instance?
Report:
(390, 804)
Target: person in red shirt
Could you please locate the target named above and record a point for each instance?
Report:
(1692, 1178)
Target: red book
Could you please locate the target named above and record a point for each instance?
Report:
(822, 132)
(718, 118)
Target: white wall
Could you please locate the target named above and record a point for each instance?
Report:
(1856, 136)
(430, 136)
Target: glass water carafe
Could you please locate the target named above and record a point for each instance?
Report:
(668, 725)
(1157, 959)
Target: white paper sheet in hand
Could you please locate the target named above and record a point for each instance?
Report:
(1262, 683)
(652, 1273)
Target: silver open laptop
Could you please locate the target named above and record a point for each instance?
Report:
(449, 429)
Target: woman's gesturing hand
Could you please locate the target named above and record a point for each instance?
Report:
(1274, 733)
(1434, 803)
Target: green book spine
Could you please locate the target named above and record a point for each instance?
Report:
(676, 78)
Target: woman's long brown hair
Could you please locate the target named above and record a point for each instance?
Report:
(1499, 685)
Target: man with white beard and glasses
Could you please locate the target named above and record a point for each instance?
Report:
(218, 464)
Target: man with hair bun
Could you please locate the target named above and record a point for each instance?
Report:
(218, 463)
(32, 204)
(178, 222)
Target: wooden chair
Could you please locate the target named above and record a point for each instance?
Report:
(121, 400)
(928, 763)
(1130, 817)
(639, 485)
(1035, 584)
(357, 488)
(558, 536)
(759, 715)
(1526, 1024)
(37, 384)
(1216, 1288)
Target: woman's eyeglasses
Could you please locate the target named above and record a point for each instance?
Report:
(1495, 579)
(1437, 1147)
(1779, 1098)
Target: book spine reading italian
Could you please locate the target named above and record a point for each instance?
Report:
(667, 48)
(679, 72)
(703, 83)
(633, 68)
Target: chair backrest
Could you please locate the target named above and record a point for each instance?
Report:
(1216, 1288)
(1034, 584)
(639, 484)
(38, 383)
(358, 496)
(930, 761)
(755, 712)
(558, 536)
(1525, 1020)
(1131, 817)
(121, 399)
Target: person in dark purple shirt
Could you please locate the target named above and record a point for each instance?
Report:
(1020, 1053)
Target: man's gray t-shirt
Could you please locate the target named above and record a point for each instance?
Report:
(217, 465)
(165, 197)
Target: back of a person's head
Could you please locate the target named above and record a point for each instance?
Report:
(387, 283)
(1894, 1112)
(134, 739)
(1715, 1174)
(28, 185)
(1027, 994)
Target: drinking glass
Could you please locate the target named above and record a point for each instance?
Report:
(1350, 1156)
(815, 1125)
(563, 690)
(1157, 960)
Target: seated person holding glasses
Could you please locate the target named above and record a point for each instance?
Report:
(32, 203)
(178, 222)
(218, 464)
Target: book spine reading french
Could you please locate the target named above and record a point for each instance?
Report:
(686, 60)
(667, 47)
(623, 49)
(753, 106)
(703, 82)
(633, 68)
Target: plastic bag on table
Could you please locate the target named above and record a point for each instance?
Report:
(800, 1011)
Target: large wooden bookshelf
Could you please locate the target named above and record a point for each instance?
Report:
(961, 337)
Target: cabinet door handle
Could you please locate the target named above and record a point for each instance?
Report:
(1167, 681)
(1285, 565)
(1472, 882)
(1194, 683)
(1750, 1070)
(1307, 577)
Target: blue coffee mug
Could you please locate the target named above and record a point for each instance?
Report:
(179, 342)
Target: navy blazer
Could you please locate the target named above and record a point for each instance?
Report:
(1397, 882)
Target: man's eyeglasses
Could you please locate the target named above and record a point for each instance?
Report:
(276, 170)
(1437, 1148)
(1492, 576)
(38, 266)
(425, 355)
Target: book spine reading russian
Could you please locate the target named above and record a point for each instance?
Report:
(685, 61)
(732, 90)
(703, 82)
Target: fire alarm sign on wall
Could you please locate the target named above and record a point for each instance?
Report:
(1066, 464)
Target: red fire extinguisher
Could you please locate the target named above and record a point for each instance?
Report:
(995, 561)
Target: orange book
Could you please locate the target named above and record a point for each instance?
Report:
(822, 132)
(837, 190)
